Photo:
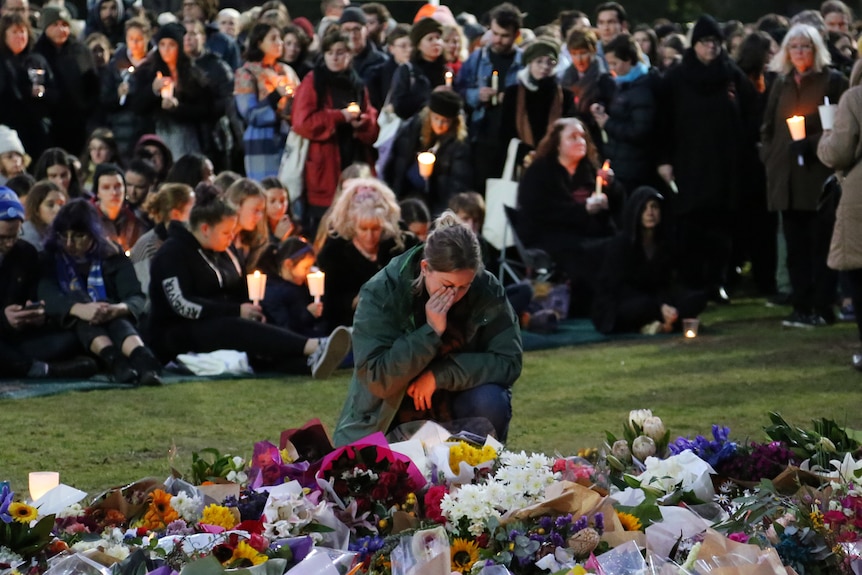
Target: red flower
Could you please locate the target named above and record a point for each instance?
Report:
(379, 493)
(433, 497)
(835, 517)
(258, 543)
(251, 525)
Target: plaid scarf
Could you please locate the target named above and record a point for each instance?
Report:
(72, 283)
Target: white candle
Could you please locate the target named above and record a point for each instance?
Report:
(167, 90)
(598, 185)
(126, 75)
(256, 286)
(354, 108)
(796, 125)
(495, 84)
(426, 164)
(448, 78)
(316, 281)
(41, 482)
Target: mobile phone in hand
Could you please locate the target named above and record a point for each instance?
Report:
(34, 306)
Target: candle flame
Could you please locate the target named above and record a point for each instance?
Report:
(607, 165)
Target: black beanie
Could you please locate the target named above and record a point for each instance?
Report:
(706, 27)
(173, 30)
(353, 14)
(422, 28)
(446, 103)
(540, 48)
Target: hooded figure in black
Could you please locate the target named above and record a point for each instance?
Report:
(636, 286)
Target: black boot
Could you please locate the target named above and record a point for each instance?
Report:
(148, 367)
(81, 367)
(118, 364)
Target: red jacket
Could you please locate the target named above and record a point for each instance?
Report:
(323, 166)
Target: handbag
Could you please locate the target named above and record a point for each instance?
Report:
(501, 192)
(291, 169)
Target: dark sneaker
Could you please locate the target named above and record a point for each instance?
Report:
(330, 353)
(798, 319)
(778, 300)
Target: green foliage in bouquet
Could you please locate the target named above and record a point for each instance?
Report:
(210, 465)
(826, 441)
(26, 541)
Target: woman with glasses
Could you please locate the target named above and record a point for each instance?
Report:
(795, 175)
(90, 286)
(332, 110)
(434, 338)
(537, 100)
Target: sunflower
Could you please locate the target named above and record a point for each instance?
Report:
(464, 554)
(219, 515)
(247, 552)
(629, 521)
(22, 513)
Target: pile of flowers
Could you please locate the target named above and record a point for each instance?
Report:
(642, 504)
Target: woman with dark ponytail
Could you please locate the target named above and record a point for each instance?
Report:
(434, 338)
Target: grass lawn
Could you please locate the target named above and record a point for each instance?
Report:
(742, 366)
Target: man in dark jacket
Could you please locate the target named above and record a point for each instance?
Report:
(707, 124)
(26, 345)
(366, 56)
(76, 78)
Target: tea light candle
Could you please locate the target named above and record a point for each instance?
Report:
(256, 286)
(426, 164)
(41, 482)
(316, 281)
(354, 108)
(448, 77)
(690, 334)
(690, 327)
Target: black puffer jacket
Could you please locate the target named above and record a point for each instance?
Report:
(413, 83)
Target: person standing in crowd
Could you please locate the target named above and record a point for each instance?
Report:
(841, 150)
(426, 71)
(263, 89)
(537, 100)
(610, 23)
(338, 134)
(89, 286)
(107, 17)
(24, 101)
(75, 77)
(199, 301)
(217, 42)
(440, 128)
(454, 47)
(794, 186)
(332, 11)
(837, 16)
(399, 47)
(637, 287)
(377, 19)
(126, 125)
(296, 47)
(366, 55)
(434, 338)
(481, 81)
(629, 119)
(27, 347)
(170, 87)
(706, 126)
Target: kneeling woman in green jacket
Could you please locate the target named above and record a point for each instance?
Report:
(434, 337)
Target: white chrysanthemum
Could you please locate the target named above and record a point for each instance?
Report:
(74, 510)
(240, 477)
(510, 458)
(82, 546)
(118, 552)
(189, 507)
(238, 462)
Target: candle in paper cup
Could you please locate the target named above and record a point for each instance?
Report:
(448, 76)
(354, 108)
(256, 286)
(690, 327)
(796, 125)
(41, 482)
(426, 164)
(316, 280)
(827, 114)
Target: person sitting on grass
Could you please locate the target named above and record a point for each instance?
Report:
(199, 301)
(636, 289)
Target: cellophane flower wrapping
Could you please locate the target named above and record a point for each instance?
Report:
(425, 552)
(441, 458)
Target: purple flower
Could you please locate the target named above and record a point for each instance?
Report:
(5, 501)
(178, 528)
(600, 522)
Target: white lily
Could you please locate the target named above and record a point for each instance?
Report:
(849, 470)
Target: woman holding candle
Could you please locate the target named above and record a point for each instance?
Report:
(200, 303)
(90, 286)
(804, 80)
(435, 338)
(636, 287)
(264, 87)
(426, 71)
(287, 302)
(338, 134)
(364, 235)
(565, 205)
(439, 127)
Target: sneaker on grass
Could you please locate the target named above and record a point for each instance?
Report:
(330, 352)
(799, 319)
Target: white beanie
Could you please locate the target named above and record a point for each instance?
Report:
(9, 141)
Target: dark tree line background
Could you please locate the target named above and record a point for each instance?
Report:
(543, 11)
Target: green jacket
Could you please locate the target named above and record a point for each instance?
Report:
(390, 349)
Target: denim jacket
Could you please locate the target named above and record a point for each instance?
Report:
(476, 73)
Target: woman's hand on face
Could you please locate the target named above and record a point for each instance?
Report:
(283, 227)
(422, 390)
(437, 307)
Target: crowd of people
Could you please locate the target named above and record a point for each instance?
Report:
(151, 159)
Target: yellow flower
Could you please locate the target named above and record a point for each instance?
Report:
(23, 513)
(467, 453)
(219, 515)
(160, 512)
(246, 551)
(464, 554)
(577, 570)
(629, 521)
(816, 519)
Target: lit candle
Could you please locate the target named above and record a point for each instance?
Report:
(167, 90)
(690, 327)
(796, 125)
(690, 334)
(598, 185)
(316, 281)
(426, 164)
(41, 482)
(354, 108)
(448, 78)
(256, 286)
(126, 75)
(289, 92)
(495, 84)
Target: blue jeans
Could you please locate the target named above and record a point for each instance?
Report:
(490, 401)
